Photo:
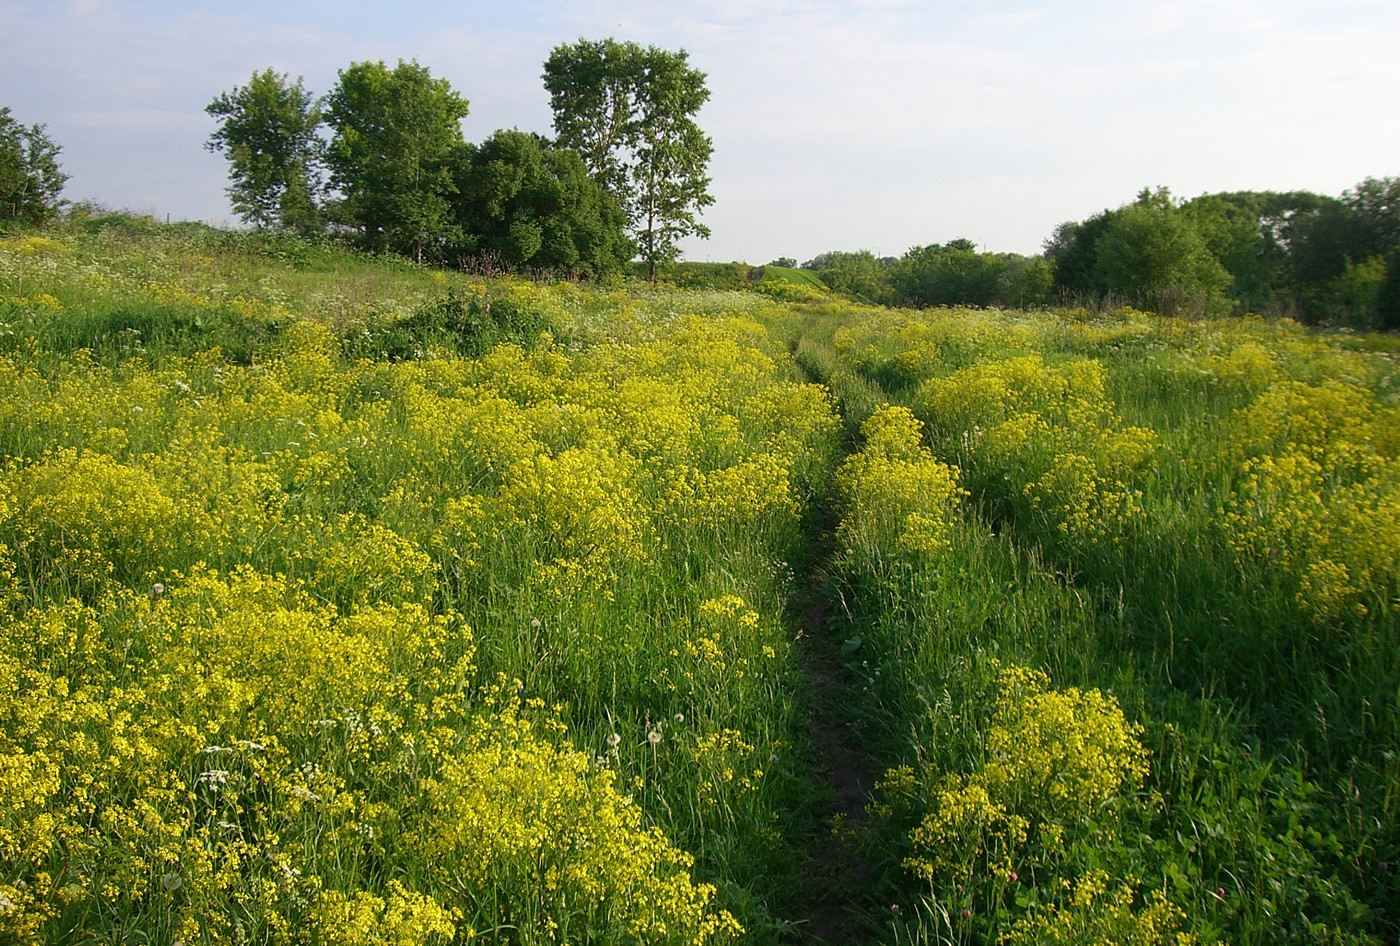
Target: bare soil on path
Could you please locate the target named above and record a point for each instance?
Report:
(842, 876)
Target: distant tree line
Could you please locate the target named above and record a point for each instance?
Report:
(949, 274)
(382, 157)
(1314, 258)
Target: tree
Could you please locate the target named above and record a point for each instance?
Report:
(1072, 254)
(860, 275)
(1388, 298)
(395, 135)
(952, 274)
(1152, 255)
(629, 113)
(1375, 203)
(1025, 282)
(1278, 248)
(1324, 243)
(30, 177)
(537, 207)
(1149, 253)
(269, 134)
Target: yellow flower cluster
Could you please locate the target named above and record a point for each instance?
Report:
(899, 500)
(537, 840)
(1050, 430)
(1055, 759)
(1317, 498)
(87, 520)
(1101, 913)
(238, 700)
(31, 245)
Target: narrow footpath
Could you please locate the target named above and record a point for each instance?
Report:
(842, 875)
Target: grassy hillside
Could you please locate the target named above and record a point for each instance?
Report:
(348, 601)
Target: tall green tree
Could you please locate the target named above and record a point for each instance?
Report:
(1152, 255)
(630, 113)
(30, 177)
(1072, 252)
(1148, 253)
(1375, 203)
(396, 132)
(268, 132)
(1252, 234)
(1388, 297)
(536, 207)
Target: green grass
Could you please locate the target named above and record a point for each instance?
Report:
(340, 593)
(1254, 714)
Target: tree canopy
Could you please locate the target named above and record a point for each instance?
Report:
(269, 134)
(629, 113)
(395, 132)
(1313, 257)
(31, 180)
(533, 206)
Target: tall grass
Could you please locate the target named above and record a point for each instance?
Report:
(1135, 474)
(347, 601)
(342, 607)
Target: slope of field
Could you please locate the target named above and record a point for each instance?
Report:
(349, 602)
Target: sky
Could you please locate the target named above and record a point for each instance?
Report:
(863, 124)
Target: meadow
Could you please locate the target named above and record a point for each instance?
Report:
(348, 601)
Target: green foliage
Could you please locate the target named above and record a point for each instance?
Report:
(1070, 251)
(1152, 256)
(629, 112)
(1375, 204)
(1294, 254)
(455, 325)
(937, 275)
(395, 132)
(955, 274)
(30, 178)
(689, 274)
(1025, 282)
(1388, 296)
(858, 275)
(268, 132)
(535, 207)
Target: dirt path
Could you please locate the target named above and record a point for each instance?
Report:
(841, 878)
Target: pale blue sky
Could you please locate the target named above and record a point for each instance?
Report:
(877, 124)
